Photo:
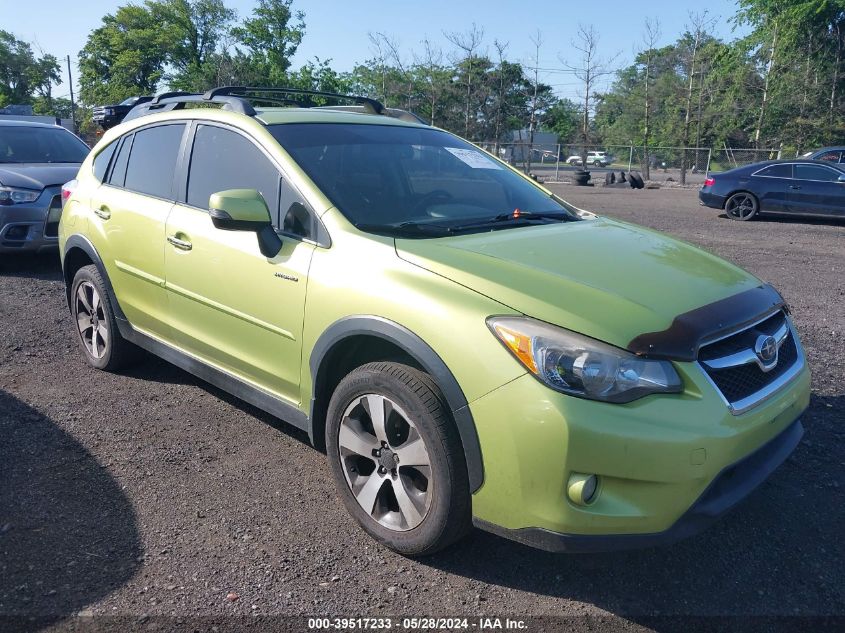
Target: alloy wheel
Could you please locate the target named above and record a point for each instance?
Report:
(91, 320)
(385, 462)
(741, 206)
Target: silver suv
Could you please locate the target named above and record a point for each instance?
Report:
(597, 159)
(36, 159)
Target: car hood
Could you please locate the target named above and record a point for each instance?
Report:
(37, 175)
(606, 279)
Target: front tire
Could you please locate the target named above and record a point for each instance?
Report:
(96, 327)
(742, 206)
(397, 459)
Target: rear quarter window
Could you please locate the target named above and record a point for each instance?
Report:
(776, 171)
(102, 160)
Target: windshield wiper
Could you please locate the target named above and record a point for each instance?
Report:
(521, 217)
(407, 228)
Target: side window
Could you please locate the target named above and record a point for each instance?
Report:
(118, 170)
(815, 172)
(777, 171)
(222, 159)
(102, 160)
(832, 157)
(296, 219)
(152, 161)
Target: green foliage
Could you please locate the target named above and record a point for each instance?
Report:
(22, 74)
(271, 37)
(124, 57)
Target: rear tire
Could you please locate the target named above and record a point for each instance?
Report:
(96, 327)
(742, 206)
(397, 459)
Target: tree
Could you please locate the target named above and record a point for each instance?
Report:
(194, 29)
(124, 57)
(562, 119)
(468, 43)
(646, 59)
(589, 69)
(22, 74)
(271, 37)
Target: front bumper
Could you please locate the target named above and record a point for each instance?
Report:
(667, 465)
(727, 490)
(31, 227)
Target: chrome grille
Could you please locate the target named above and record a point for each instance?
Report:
(745, 377)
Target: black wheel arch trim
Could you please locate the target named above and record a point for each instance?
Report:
(428, 359)
(83, 244)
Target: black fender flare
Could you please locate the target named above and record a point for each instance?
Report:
(428, 359)
(83, 244)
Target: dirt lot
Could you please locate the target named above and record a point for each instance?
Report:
(150, 493)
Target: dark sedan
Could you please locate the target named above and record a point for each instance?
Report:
(828, 154)
(799, 187)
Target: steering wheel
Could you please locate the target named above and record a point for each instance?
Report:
(432, 197)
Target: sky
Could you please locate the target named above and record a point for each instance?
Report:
(338, 29)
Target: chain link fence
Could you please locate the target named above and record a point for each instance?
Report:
(683, 165)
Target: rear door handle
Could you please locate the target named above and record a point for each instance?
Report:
(103, 212)
(794, 187)
(180, 244)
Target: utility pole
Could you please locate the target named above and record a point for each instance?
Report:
(72, 103)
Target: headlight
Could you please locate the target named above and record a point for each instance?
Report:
(581, 366)
(10, 195)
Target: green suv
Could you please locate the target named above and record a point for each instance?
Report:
(466, 346)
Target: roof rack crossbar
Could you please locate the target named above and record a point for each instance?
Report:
(374, 106)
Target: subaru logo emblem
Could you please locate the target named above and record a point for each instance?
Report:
(766, 349)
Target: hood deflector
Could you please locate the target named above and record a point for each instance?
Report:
(683, 338)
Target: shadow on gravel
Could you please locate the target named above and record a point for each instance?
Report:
(45, 266)
(68, 535)
(154, 369)
(780, 552)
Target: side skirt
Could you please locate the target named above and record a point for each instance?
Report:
(220, 379)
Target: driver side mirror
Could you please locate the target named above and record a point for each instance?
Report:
(245, 210)
(841, 178)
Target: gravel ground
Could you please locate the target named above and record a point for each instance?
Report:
(150, 493)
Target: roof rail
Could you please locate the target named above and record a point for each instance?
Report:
(168, 101)
(374, 107)
(237, 99)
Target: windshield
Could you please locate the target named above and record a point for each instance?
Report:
(32, 144)
(384, 176)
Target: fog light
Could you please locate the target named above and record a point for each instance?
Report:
(17, 232)
(582, 488)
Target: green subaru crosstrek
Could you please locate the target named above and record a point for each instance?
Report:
(468, 347)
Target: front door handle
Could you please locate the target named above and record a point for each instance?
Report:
(103, 212)
(180, 244)
(795, 187)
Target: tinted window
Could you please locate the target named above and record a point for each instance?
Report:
(152, 161)
(777, 171)
(35, 144)
(222, 159)
(832, 157)
(101, 162)
(118, 171)
(387, 175)
(815, 172)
